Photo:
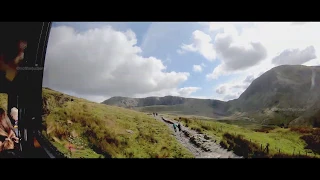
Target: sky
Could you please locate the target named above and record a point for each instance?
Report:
(208, 60)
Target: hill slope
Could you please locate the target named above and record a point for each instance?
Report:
(283, 87)
(97, 130)
(190, 106)
(278, 96)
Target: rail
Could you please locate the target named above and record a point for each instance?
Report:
(47, 146)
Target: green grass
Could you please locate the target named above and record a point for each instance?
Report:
(99, 130)
(286, 140)
(311, 136)
(192, 108)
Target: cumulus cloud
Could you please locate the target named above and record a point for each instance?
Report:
(249, 79)
(201, 43)
(236, 57)
(230, 97)
(233, 89)
(187, 91)
(235, 52)
(103, 62)
(248, 50)
(221, 89)
(182, 92)
(197, 68)
(295, 56)
(314, 62)
(284, 43)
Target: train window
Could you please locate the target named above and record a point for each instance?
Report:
(85, 65)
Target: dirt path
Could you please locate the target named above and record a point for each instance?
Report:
(200, 145)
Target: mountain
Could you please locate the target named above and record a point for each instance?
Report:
(284, 86)
(148, 101)
(284, 94)
(190, 106)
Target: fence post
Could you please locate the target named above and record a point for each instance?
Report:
(293, 151)
(279, 151)
(261, 147)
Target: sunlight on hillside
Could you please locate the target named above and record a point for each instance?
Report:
(280, 140)
(98, 130)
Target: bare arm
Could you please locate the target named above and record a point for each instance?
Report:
(9, 123)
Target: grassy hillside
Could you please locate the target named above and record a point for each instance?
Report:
(198, 109)
(98, 130)
(250, 139)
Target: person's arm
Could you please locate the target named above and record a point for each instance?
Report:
(13, 136)
(9, 123)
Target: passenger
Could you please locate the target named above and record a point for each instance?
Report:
(6, 131)
(7, 144)
(14, 115)
(11, 55)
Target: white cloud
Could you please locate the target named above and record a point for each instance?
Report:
(234, 88)
(221, 89)
(197, 68)
(295, 56)
(187, 91)
(249, 79)
(179, 51)
(182, 92)
(314, 62)
(201, 43)
(201, 97)
(284, 43)
(103, 62)
(275, 38)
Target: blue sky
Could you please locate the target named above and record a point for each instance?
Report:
(229, 54)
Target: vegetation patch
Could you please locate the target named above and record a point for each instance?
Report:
(98, 130)
(251, 142)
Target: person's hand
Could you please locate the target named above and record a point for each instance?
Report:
(15, 139)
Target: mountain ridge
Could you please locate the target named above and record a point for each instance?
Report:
(284, 87)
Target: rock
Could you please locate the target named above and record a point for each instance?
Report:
(187, 133)
(206, 147)
(207, 137)
(195, 141)
(74, 133)
(198, 140)
(129, 131)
